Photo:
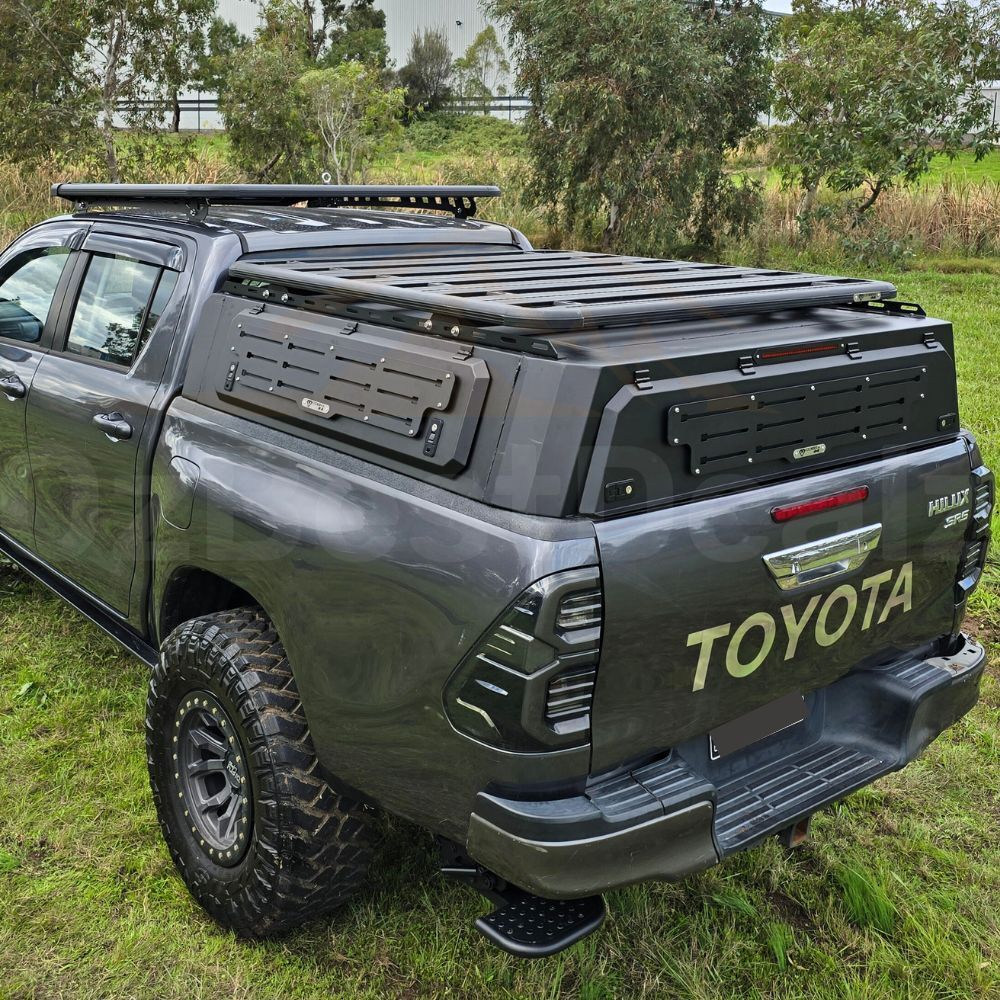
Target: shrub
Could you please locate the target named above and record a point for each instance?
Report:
(448, 132)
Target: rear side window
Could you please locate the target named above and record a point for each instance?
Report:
(120, 302)
(27, 286)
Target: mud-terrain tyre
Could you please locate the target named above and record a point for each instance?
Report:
(259, 836)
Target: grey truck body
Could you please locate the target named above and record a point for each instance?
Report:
(617, 430)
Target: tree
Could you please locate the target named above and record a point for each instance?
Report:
(354, 115)
(222, 41)
(870, 90)
(284, 107)
(99, 57)
(335, 31)
(426, 77)
(483, 71)
(184, 51)
(43, 90)
(265, 109)
(634, 107)
(358, 35)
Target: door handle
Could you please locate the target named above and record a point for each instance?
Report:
(12, 387)
(114, 425)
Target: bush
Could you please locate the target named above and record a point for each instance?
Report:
(447, 132)
(354, 115)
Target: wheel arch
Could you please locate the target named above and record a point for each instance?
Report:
(191, 592)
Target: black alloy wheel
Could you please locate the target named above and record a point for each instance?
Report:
(212, 777)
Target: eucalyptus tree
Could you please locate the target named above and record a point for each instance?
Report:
(635, 106)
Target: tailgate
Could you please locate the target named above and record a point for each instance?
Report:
(698, 630)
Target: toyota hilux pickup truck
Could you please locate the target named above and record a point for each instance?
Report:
(598, 568)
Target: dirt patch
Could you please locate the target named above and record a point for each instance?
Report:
(792, 912)
(37, 852)
(982, 630)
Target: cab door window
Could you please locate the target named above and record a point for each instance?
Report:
(27, 287)
(119, 303)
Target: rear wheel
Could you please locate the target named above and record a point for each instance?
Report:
(259, 836)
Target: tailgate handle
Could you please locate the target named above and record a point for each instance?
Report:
(825, 559)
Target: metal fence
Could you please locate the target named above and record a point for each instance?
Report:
(201, 113)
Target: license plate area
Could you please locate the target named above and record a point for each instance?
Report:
(768, 720)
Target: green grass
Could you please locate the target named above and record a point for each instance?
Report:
(965, 167)
(897, 894)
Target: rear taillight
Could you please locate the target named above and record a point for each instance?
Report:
(982, 499)
(977, 539)
(527, 685)
(584, 610)
(570, 696)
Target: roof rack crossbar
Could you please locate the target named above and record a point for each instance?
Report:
(195, 199)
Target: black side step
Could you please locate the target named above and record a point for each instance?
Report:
(523, 924)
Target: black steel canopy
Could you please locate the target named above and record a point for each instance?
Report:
(559, 291)
(196, 199)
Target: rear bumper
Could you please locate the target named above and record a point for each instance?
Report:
(678, 815)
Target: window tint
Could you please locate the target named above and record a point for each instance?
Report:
(111, 309)
(27, 286)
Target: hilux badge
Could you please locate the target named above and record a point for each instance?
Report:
(944, 504)
(957, 502)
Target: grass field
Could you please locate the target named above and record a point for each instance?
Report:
(965, 167)
(896, 895)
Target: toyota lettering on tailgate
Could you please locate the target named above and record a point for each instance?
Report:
(826, 618)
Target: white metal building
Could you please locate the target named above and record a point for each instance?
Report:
(245, 14)
(461, 21)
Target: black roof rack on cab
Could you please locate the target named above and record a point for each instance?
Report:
(196, 199)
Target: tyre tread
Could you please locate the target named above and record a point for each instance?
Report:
(312, 845)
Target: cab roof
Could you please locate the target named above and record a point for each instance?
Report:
(268, 228)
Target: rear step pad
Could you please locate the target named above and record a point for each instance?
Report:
(756, 803)
(522, 924)
(531, 927)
